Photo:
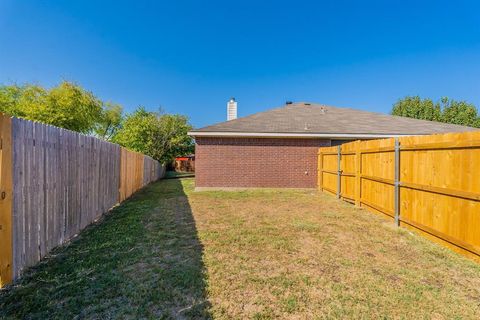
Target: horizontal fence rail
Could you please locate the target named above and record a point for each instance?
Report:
(426, 183)
(53, 183)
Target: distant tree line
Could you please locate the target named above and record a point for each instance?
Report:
(67, 105)
(445, 110)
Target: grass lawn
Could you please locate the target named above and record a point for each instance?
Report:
(174, 174)
(169, 252)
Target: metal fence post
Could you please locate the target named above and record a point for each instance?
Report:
(339, 172)
(397, 182)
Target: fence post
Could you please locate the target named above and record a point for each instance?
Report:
(339, 172)
(358, 172)
(397, 182)
(6, 199)
(320, 170)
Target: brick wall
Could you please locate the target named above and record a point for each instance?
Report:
(256, 162)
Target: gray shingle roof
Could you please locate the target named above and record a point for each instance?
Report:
(311, 118)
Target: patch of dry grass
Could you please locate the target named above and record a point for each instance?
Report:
(169, 252)
(303, 255)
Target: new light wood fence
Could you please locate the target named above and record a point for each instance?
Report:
(53, 183)
(430, 184)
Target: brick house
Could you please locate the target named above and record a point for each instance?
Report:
(278, 147)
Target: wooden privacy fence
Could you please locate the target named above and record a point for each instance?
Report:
(53, 183)
(427, 183)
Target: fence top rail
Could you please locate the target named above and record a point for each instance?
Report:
(329, 171)
(440, 190)
(441, 145)
(378, 179)
(61, 130)
(378, 150)
(369, 150)
(471, 144)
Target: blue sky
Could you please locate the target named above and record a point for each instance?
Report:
(189, 57)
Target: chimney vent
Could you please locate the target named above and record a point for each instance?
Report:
(231, 109)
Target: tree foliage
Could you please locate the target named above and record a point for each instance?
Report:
(67, 105)
(161, 136)
(418, 108)
(109, 122)
(459, 112)
(446, 110)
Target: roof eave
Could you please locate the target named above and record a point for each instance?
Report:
(352, 136)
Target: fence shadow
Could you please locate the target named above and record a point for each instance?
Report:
(144, 260)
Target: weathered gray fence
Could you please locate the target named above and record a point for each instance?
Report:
(61, 181)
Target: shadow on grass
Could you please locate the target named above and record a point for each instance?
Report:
(144, 260)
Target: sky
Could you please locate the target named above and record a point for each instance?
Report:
(190, 57)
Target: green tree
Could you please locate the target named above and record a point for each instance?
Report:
(173, 140)
(19, 101)
(70, 106)
(109, 122)
(418, 108)
(138, 131)
(446, 110)
(459, 112)
(67, 105)
(161, 136)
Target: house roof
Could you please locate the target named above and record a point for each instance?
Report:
(304, 119)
